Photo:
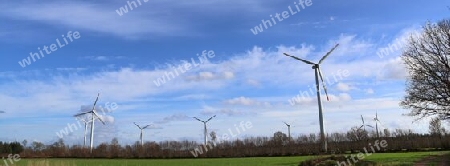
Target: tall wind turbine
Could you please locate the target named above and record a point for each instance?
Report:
(376, 123)
(141, 128)
(316, 67)
(364, 125)
(205, 130)
(289, 131)
(93, 115)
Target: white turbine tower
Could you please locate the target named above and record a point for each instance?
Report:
(318, 73)
(86, 123)
(205, 130)
(289, 131)
(93, 115)
(141, 128)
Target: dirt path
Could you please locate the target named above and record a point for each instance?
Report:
(443, 160)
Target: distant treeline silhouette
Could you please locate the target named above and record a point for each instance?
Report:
(278, 145)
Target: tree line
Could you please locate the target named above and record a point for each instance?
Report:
(354, 140)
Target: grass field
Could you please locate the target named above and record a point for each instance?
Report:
(381, 158)
(402, 158)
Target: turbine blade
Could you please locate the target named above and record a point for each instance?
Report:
(328, 53)
(285, 123)
(306, 61)
(146, 126)
(211, 118)
(197, 119)
(361, 126)
(93, 111)
(369, 126)
(323, 84)
(137, 125)
(362, 119)
(95, 103)
(376, 117)
(76, 115)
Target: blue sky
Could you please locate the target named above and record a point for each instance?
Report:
(246, 79)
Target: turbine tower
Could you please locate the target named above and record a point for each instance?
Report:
(93, 115)
(289, 131)
(86, 123)
(141, 128)
(376, 123)
(205, 130)
(318, 73)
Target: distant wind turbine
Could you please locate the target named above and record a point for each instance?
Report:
(141, 128)
(289, 131)
(205, 130)
(93, 115)
(376, 123)
(364, 125)
(318, 73)
(86, 123)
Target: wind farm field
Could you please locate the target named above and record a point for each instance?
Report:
(385, 159)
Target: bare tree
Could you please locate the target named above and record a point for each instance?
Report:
(427, 58)
(435, 127)
(279, 137)
(387, 133)
(213, 136)
(24, 143)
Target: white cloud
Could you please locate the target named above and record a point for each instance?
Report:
(209, 76)
(370, 91)
(246, 102)
(228, 112)
(103, 58)
(253, 82)
(394, 69)
(345, 97)
(241, 101)
(102, 17)
(174, 117)
(87, 16)
(343, 87)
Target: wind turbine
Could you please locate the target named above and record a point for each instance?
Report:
(316, 67)
(364, 125)
(376, 123)
(204, 123)
(86, 123)
(141, 128)
(289, 131)
(93, 115)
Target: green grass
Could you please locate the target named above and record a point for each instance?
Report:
(401, 158)
(263, 161)
(380, 158)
